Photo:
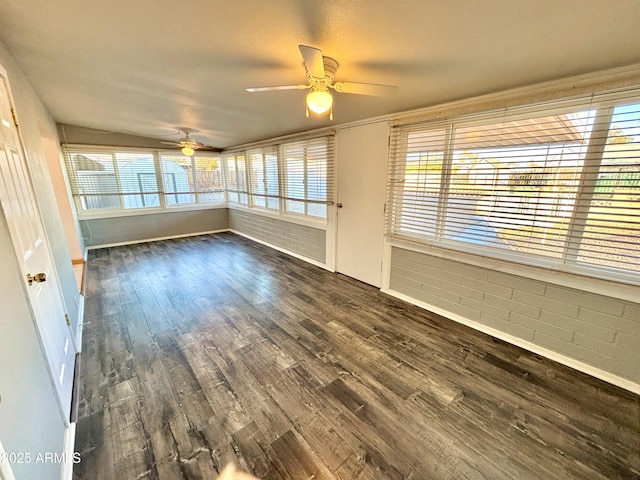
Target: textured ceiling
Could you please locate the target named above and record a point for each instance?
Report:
(147, 66)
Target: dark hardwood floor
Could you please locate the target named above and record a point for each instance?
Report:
(212, 349)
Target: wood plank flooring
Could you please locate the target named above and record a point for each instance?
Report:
(211, 349)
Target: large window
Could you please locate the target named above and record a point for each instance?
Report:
(292, 178)
(189, 180)
(306, 171)
(263, 178)
(236, 179)
(555, 185)
(119, 180)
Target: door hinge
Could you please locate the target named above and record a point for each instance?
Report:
(15, 117)
(66, 317)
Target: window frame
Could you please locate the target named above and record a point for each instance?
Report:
(604, 106)
(278, 150)
(252, 184)
(121, 211)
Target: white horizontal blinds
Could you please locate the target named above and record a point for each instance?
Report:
(416, 180)
(515, 183)
(197, 178)
(319, 181)
(178, 179)
(137, 179)
(208, 178)
(108, 179)
(295, 177)
(263, 178)
(236, 178)
(557, 184)
(611, 234)
(307, 171)
(93, 180)
(113, 180)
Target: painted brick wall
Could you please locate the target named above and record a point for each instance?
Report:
(104, 231)
(600, 331)
(306, 241)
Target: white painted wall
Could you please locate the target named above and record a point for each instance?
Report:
(30, 420)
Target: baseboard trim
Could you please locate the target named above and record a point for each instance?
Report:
(283, 250)
(532, 347)
(154, 239)
(68, 453)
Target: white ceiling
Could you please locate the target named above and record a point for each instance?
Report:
(143, 67)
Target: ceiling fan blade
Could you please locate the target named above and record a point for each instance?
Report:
(365, 89)
(313, 62)
(170, 143)
(281, 87)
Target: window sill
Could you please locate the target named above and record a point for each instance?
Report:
(148, 211)
(610, 288)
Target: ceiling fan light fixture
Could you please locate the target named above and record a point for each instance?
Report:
(319, 101)
(187, 150)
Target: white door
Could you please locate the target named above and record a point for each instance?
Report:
(27, 233)
(362, 156)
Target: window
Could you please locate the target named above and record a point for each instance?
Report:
(113, 180)
(188, 180)
(263, 178)
(118, 180)
(553, 185)
(307, 168)
(293, 178)
(236, 179)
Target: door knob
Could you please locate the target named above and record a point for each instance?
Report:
(38, 278)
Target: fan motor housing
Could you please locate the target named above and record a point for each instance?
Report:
(330, 67)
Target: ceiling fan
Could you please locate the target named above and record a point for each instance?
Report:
(321, 73)
(187, 144)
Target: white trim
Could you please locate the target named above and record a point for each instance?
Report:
(68, 452)
(283, 250)
(609, 288)
(6, 473)
(155, 239)
(532, 347)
